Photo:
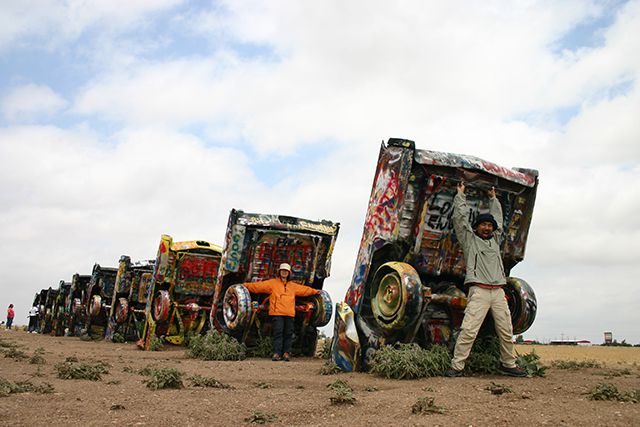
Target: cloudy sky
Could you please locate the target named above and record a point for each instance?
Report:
(121, 120)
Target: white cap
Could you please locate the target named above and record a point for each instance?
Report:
(285, 266)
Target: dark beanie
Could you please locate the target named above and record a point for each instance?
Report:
(485, 217)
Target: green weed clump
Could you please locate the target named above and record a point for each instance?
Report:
(156, 343)
(575, 365)
(342, 393)
(530, 362)
(325, 350)
(216, 346)
(118, 338)
(72, 369)
(263, 348)
(410, 361)
(426, 406)
(7, 344)
(202, 381)
(611, 373)
(498, 389)
(14, 353)
(485, 356)
(259, 417)
(7, 387)
(606, 391)
(38, 357)
(330, 368)
(163, 378)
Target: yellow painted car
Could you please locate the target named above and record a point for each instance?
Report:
(182, 286)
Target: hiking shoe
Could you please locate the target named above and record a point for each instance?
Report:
(285, 357)
(512, 372)
(452, 373)
(276, 357)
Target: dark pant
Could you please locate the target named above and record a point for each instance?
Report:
(33, 323)
(282, 334)
(9, 322)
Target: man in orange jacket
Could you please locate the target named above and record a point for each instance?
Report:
(282, 307)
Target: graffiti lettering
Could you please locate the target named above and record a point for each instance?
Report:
(237, 241)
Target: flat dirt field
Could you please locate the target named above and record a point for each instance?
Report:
(297, 394)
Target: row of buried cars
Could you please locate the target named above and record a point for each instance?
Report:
(193, 286)
(407, 285)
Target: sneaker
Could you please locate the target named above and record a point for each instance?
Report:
(285, 357)
(276, 357)
(512, 372)
(452, 373)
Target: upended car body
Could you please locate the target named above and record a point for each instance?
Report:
(182, 286)
(255, 245)
(75, 314)
(46, 314)
(59, 309)
(98, 299)
(38, 301)
(129, 300)
(408, 282)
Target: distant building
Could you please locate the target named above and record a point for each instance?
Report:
(608, 337)
(571, 342)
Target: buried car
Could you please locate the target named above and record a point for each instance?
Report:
(129, 300)
(47, 301)
(178, 300)
(75, 315)
(59, 309)
(38, 301)
(98, 299)
(255, 246)
(408, 283)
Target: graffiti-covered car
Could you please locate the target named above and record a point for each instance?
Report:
(129, 300)
(98, 299)
(46, 312)
(38, 301)
(255, 245)
(181, 290)
(408, 282)
(75, 313)
(59, 309)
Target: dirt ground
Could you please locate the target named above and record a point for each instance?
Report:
(298, 394)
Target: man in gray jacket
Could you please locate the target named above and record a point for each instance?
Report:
(485, 278)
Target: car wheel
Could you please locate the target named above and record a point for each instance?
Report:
(236, 307)
(121, 310)
(396, 296)
(522, 304)
(161, 305)
(96, 305)
(323, 309)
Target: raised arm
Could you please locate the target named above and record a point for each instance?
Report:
(495, 209)
(460, 217)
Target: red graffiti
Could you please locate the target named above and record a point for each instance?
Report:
(193, 269)
(382, 210)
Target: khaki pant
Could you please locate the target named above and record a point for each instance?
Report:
(482, 300)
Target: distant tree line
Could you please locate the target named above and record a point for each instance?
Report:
(622, 343)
